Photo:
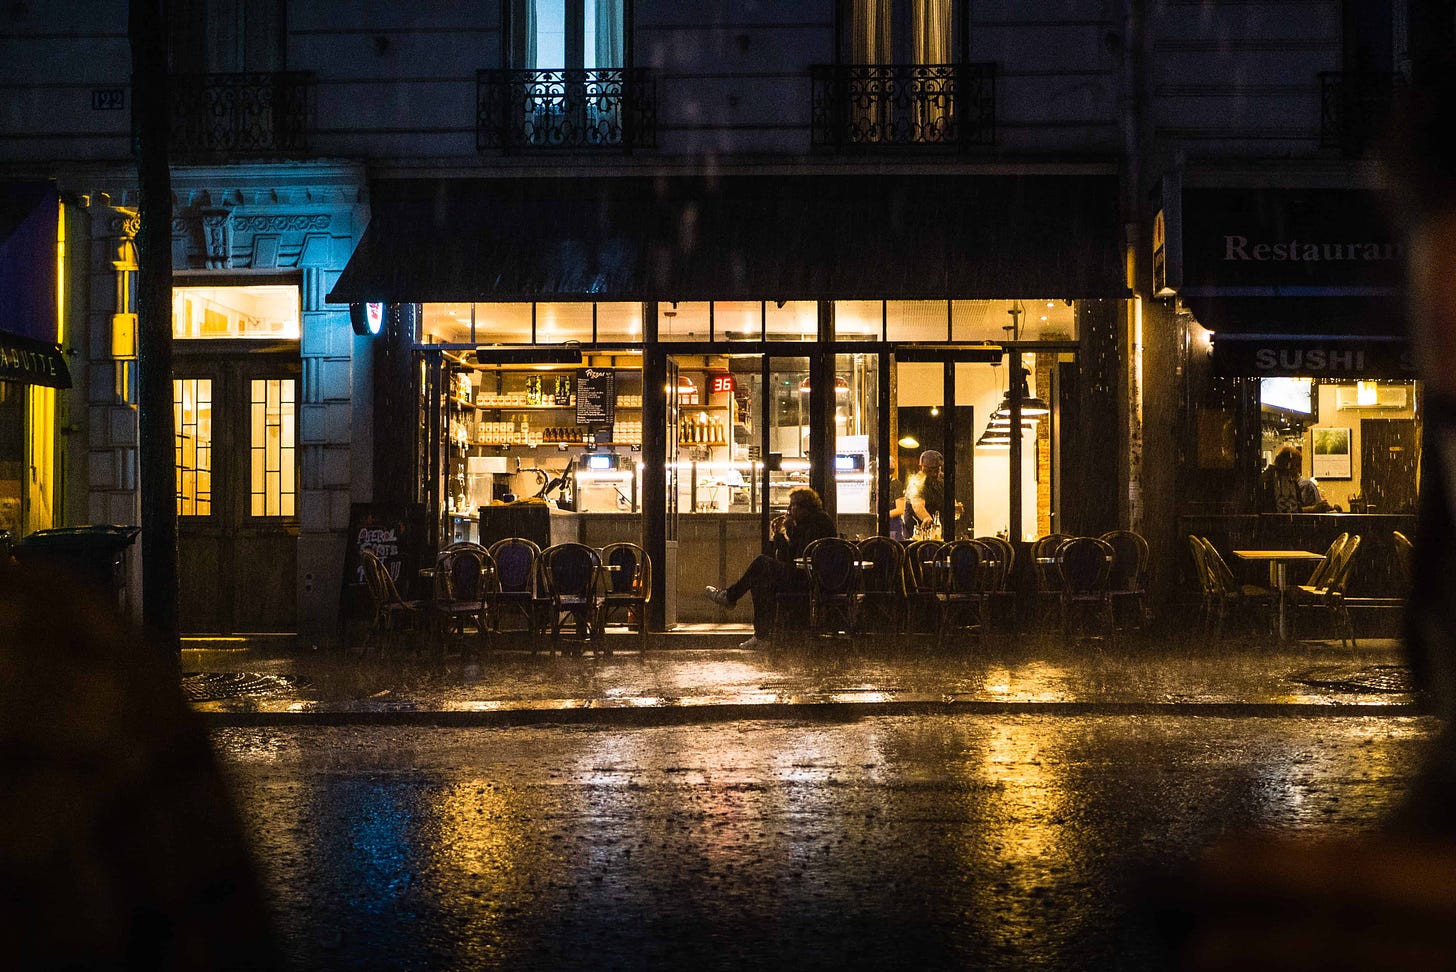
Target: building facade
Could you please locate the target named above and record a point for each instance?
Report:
(805, 240)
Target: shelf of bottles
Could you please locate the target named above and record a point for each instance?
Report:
(512, 416)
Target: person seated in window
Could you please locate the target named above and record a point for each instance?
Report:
(1284, 489)
(768, 574)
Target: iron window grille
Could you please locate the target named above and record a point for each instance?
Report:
(240, 115)
(866, 106)
(565, 109)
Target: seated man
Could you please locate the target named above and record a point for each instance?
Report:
(769, 574)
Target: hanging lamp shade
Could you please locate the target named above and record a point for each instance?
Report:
(991, 439)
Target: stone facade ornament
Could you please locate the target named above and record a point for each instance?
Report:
(217, 239)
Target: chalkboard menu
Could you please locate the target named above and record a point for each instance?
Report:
(596, 396)
(396, 534)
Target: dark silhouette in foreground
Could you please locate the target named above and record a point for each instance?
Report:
(120, 846)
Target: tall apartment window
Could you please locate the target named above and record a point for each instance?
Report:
(272, 447)
(192, 413)
(901, 32)
(555, 35)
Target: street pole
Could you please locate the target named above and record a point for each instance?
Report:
(156, 448)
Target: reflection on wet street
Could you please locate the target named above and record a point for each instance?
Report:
(1019, 842)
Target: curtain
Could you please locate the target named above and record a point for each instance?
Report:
(931, 26)
(869, 40)
(524, 41)
(609, 42)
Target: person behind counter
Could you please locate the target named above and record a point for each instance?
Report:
(1284, 490)
(768, 574)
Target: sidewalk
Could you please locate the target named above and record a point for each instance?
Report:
(700, 675)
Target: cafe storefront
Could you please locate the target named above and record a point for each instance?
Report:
(1289, 301)
(665, 360)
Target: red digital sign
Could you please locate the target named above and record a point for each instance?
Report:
(723, 384)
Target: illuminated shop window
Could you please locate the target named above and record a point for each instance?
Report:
(261, 312)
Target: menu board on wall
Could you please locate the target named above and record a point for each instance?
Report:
(596, 396)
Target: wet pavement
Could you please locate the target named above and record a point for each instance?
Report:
(702, 675)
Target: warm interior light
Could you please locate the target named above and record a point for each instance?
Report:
(1367, 393)
(909, 442)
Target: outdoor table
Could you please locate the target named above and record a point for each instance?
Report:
(1279, 561)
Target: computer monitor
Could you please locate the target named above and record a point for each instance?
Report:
(849, 462)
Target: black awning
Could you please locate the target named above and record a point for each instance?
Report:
(1301, 316)
(738, 237)
(32, 362)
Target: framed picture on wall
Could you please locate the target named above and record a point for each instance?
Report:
(1331, 454)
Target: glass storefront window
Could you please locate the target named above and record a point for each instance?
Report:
(619, 321)
(915, 320)
(685, 320)
(794, 320)
(559, 322)
(1360, 440)
(258, 312)
(12, 456)
(499, 323)
(450, 323)
(738, 320)
(857, 449)
(858, 320)
(1035, 320)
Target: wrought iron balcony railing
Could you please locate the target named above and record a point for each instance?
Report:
(217, 116)
(1354, 107)
(602, 108)
(874, 105)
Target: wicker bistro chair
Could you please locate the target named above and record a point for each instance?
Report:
(512, 591)
(1405, 554)
(834, 585)
(393, 615)
(626, 586)
(1128, 583)
(1084, 565)
(881, 595)
(922, 610)
(966, 572)
(1329, 595)
(462, 574)
(569, 574)
(1224, 595)
(1325, 568)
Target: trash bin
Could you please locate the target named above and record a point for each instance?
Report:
(95, 555)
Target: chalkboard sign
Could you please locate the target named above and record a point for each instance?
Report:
(396, 534)
(596, 396)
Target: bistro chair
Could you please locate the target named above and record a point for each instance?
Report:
(882, 584)
(568, 574)
(462, 575)
(1048, 580)
(920, 585)
(626, 586)
(834, 584)
(1404, 559)
(512, 590)
(1001, 591)
(1225, 595)
(1325, 568)
(1128, 582)
(393, 615)
(1329, 596)
(1084, 567)
(965, 572)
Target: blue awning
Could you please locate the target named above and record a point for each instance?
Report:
(28, 227)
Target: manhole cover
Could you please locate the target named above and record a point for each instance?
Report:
(214, 686)
(1358, 678)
